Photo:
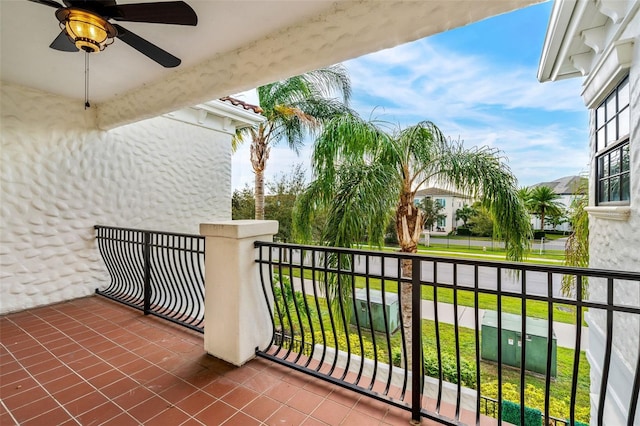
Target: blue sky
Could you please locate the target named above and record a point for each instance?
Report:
(477, 83)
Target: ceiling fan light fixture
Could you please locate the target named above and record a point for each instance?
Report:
(88, 31)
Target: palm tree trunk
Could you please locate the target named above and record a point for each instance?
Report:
(259, 194)
(542, 220)
(409, 224)
(259, 157)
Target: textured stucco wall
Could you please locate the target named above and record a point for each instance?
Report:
(59, 177)
(615, 245)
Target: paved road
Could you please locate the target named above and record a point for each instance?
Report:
(535, 283)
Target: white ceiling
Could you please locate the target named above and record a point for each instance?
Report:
(223, 26)
(237, 45)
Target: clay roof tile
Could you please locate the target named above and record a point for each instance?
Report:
(242, 104)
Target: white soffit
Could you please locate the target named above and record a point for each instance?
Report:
(237, 45)
(578, 33)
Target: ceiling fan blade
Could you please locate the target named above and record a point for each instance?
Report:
(149, 49)
(89, 4)
(171, 12)
(49, 3)
(63, 43)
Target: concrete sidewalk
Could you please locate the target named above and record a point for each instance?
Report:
(565, 333)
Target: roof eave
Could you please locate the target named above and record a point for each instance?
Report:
(562, 27)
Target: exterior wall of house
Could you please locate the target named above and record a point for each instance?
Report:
(615, 244)
(451, 204)
(59, 177)
(565, 200)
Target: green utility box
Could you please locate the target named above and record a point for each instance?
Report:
(391, 307)
(536, 341)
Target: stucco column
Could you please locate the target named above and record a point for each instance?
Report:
(236, 314)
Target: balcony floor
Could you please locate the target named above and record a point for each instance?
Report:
(91, 361)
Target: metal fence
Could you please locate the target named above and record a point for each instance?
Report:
(312, 292)
(160, 273)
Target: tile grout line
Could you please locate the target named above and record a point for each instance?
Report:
(76, 373)
(26, 369)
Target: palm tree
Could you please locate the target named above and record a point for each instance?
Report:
(543, 201)
(431, 211)
(363, 172)
(465, 213)
(525, 195)
(577, 246)
(294, 108)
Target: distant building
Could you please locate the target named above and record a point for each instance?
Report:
(450, 201)
(566, 187)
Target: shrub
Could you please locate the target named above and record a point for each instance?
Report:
(538, 234)
(449, 367)
(354, 344)
(511, 414)
(462, 231)
(534, 398)
(390, 234)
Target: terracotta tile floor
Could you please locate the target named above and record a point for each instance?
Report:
(92, 361)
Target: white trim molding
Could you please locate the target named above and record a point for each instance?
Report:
(621, 213)
(607, 73)
(217, 115)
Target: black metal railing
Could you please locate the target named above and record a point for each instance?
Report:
(326, 298)
(160, 273)
(490, 407)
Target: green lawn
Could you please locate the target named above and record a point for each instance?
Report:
(536, 309)
(548, 257)
(560, 389)
(439, 248)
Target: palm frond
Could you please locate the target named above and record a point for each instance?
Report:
(481, 173)
(330, 82)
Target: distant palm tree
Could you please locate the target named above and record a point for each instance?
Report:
(465, 213)
(362, 173)
(294, 108)
(525, 195)
(432, 212)
(543, 201)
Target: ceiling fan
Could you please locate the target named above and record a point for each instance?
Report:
(85, 25)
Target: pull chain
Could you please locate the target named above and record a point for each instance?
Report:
(86, 80)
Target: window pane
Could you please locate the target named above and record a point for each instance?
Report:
(623, 94)
(599, 116)
(625, 188)
(611, 106)
(614, 162)
(612, 126)
(611, 132)
(603, 194)
(614, 189)
(600, 140)
(623, 123)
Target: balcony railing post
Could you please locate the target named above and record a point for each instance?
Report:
(416, 339)
(236, 318)
(147, 272)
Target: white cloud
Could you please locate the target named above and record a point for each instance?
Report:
(422, 78)
(481, 102)
(541, 128)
